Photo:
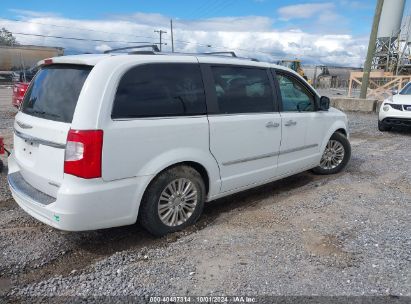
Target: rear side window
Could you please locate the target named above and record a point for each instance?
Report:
(242, 90)
(54, 92)
(155, 90)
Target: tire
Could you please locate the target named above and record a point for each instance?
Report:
(383, 127)
(1, 166)
(337, 162)
(163, 186)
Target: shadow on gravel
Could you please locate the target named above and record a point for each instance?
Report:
(400, 131)
(89, 247)
(253, 197)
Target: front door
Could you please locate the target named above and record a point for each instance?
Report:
(299, 149)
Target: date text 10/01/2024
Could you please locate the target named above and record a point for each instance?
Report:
(205, 299)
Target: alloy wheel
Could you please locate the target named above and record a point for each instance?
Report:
(333, 155)
(177, 202)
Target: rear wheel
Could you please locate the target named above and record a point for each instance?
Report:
(336, 155)
(383, 127)
(173, 201)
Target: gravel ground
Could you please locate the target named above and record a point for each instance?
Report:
(347, 234)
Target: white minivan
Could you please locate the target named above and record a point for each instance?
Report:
(108, 139)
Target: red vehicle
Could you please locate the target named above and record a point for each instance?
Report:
(19, 89)
(21, 83)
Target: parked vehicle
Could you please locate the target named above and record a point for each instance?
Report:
(19, 89)
(5, 77)
(396, 110)
(103, 140)
(21, 81)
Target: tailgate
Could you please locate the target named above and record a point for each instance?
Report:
(42, 125)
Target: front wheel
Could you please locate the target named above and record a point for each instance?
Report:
(336, 155)
(173, 201)
(382, 127)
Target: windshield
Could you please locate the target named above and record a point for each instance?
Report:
(406, 90)
(54, 92)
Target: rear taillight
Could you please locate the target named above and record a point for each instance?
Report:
(83, 153)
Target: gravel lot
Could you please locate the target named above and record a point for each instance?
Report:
(347, 234)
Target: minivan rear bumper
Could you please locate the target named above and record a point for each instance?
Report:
(80, 204)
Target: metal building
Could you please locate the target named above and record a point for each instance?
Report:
(25, 56)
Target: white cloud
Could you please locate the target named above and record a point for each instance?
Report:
(304, 11)
(27, 13)
(251, 36)
(103, 47)
(355, 4)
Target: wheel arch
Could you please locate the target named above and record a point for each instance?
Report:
(200, 168)
(341, 131)
(196, 166)
(338, 126)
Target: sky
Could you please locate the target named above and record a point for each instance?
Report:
(318, 32)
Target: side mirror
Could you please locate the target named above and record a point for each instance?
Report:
(394, 91)
(324, 103)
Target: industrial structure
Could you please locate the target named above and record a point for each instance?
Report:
(393, 45)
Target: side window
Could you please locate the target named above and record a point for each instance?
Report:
(242, 90)
(295, 97)
(155, 90)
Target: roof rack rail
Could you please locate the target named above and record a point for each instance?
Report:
(142, 53)
(233, 54)
(221, 53)
(152, 46)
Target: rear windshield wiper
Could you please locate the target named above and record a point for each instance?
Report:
(38, 112)
(45, 113)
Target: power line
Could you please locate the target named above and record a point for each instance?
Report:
(101, 40)
(218, 9)
(210, 9)
(78, 39)
(91, 30)
(204, 6)
(75, 28)
(222, 47)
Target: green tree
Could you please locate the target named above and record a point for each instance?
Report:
(7, 38)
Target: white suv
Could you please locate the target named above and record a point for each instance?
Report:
(103, 140)
(396, 110)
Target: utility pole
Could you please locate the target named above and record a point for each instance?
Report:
(161, 32)
(172, 35)
(371, 49)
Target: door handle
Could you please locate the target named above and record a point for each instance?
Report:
(290, 123)
(271, 124)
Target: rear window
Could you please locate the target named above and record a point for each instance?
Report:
(54, 92)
